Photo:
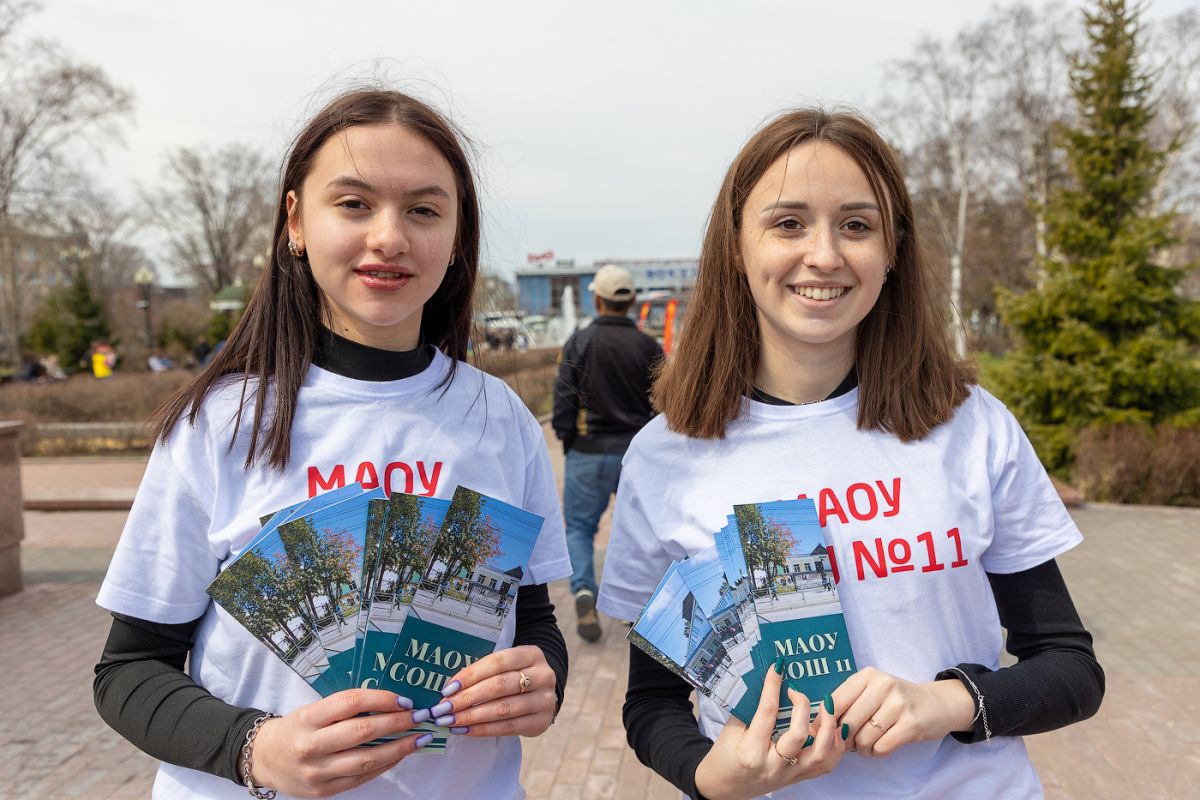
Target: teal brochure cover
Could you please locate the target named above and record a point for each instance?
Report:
(800, 613)
(402, 551)
(324, 551)
(465, 595)
(676, 628)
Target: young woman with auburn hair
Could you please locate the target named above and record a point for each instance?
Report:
(347, 365)
(816, 362)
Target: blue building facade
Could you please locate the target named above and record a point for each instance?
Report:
(540, 289)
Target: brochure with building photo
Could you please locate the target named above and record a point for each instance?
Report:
(717, 598)
(764, 591)
(377, 512)
(257, 590)
(465, 594)
(729, 552)
(795, 595)
(324, 559)
(673, 630)
(299, 587)
(396, 560)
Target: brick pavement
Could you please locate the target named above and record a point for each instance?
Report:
(1132, 580)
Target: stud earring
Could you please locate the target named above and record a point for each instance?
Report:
(887, 271)
(294, 250)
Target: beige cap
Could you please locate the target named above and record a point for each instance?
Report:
(612, 283)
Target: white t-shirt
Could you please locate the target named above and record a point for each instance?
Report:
(915, 526)
(197, 508)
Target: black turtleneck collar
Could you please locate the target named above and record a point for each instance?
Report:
(361, 362)
(848, 383)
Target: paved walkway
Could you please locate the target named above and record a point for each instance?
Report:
(1133, 581)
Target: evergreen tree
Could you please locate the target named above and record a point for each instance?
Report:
(1105, 338)
(69, 320)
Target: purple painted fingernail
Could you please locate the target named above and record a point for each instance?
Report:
(442, 708)
(404, 702)
(420, 715)
(459, 731)
(450, 688)
(423, 739)
(445, 721)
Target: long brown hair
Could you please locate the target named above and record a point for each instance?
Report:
(276, 337)
(909, 380)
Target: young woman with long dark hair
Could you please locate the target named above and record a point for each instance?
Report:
(347, 365)
(816, 362)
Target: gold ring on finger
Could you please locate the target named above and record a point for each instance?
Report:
(525, 683)
(790, 760)
(876, 724)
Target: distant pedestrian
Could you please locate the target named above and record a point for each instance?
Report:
(605, 374)
(104, 359)
(53, 370)
(201, 350)
(159, 362)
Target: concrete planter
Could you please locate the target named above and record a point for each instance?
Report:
(12, 523)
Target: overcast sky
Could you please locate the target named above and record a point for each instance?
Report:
(603, 128)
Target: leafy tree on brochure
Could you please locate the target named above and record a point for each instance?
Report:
(1105, 338)
(766, 543)
(468, 537)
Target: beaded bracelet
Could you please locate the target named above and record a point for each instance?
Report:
(251, 735)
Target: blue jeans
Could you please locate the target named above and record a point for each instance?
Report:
(589, 480)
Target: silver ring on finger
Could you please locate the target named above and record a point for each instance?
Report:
(524, 683)
(791, 760)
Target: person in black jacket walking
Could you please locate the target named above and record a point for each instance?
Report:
(604, 377)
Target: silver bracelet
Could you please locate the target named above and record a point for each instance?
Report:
(980, 711)
(251, 735)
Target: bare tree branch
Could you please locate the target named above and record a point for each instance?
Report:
(49, 103)
(216, 208)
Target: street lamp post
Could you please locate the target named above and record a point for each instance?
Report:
(144, 279)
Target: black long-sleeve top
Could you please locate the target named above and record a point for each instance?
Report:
(142, 691)
(605, 371)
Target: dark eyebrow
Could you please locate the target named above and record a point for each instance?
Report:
(431, 189)
(791, 205)
(351, 182)
(348, 182)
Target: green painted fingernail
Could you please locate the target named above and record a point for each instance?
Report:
(779, 665)
(795, 686)
(829, 703)
(845, 731)
(808, 742)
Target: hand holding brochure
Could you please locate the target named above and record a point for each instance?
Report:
(356, 588)
(765, 590)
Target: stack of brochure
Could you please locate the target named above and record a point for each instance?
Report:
(354, 588)
(765, 590)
